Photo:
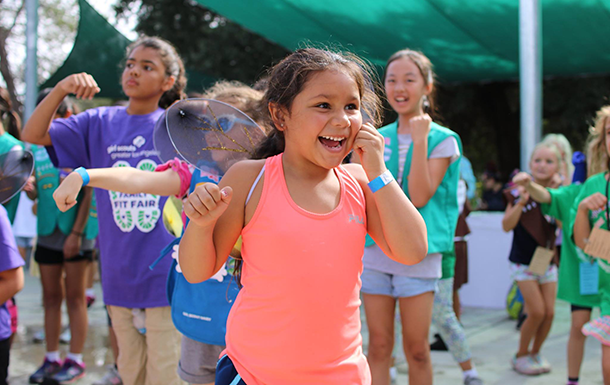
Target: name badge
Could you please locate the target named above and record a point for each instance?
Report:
(589, 278)
(541, 260)
(599, 244)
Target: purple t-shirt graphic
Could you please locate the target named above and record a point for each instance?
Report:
(9, 259)
(131, 232)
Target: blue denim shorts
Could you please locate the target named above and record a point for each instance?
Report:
(397, 286)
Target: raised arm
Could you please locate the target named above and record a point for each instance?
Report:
(425, 175)
(536, 191)
(582, 225)
(393, 222)
(36, 130)
(127, 180)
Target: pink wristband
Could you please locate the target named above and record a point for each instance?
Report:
(181, 167)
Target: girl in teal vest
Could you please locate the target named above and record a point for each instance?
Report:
(424, 158)
(65, 244)
(9, 138)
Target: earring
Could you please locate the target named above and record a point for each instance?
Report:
(281, 124)
(426, 102)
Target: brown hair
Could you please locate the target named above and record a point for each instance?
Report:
(597, 153)
(427, 72)
(240, 96)
(288, 78)
(9, 118)
(173, 66)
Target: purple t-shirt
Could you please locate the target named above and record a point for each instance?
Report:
(9, 259)
(132, 233)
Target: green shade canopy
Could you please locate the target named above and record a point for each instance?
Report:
(99, 50)
(467, 40)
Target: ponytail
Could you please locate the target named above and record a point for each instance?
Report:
(272, 145)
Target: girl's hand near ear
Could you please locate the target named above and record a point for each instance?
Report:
(420, 127)
(82, 85)
(368, 145)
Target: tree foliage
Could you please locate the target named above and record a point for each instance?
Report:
(206, 41)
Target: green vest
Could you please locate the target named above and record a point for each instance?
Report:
(49, 216)
(7, 142)
(442, 211)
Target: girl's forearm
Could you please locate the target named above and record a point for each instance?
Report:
(36, 130)
(538, 193)
(511, 217)
(396, 214)
(420, 181)
(197, 253)
(130, 180)
(582, 228)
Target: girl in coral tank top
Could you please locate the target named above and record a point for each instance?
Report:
(303, 218)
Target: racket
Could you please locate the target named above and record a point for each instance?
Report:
(16, 166)
(212, 135)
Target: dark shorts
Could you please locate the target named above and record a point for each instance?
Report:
(576, 308)
(226, 374)
(5, 346)
(46, 256)
(461, 265)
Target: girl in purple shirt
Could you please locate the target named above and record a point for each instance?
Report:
(131, 233)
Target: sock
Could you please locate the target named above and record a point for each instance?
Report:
(90, 292)
(472, 373)
(78, 358)
(53, 356)
(572, 381)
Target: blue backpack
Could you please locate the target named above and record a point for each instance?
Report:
(199, 311)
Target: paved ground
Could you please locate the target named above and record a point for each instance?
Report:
(491, 334)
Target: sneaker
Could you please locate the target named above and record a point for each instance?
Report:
(48, 368)
(545, 366)
(526, 365)
(65, 336)
(438, 345)
(473, 381)
(70, 372)
(90, 300)
(39, 336)
(110, 378)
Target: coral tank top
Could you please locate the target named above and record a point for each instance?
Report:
(296, 319)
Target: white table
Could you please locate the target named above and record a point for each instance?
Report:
(488, 267)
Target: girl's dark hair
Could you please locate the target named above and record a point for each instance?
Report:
(173, 66)
(9, 118)
(64, 107)
(427, 72)
(287, 79)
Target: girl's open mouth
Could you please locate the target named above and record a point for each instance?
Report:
(333, 143)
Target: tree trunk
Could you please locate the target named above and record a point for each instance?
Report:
(6, 71)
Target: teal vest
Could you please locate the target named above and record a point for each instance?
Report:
(49, 216)
(7, 142)
(442, 211)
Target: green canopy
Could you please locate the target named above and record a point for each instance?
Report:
(99, 50)
(467, 40)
